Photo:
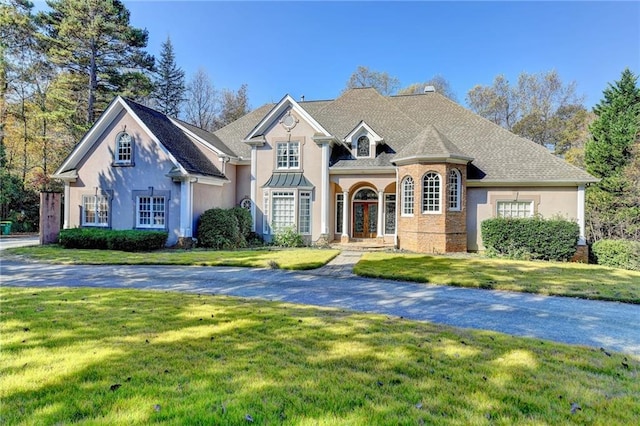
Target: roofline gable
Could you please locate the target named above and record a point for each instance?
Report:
(117, 105)
(363, 125)
(198, 139)
(285, 103)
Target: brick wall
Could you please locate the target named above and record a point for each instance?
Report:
(441, 232)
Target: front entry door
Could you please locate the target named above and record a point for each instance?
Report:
(365, 219)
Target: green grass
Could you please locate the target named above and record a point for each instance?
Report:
(551, 278)
(298, 259)
(192, 359)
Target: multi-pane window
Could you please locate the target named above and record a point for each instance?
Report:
(304, 213)
(266, 227)
(339, 212)
(124, 149)
(407, 195)
(362, 147)
(515, 208)
(283, 210)
(288, 155)
(150, 212)
(431, 193)
(454, 192)
(95, 210)
(389, 214)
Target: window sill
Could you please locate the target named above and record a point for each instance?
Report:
(431, 213)
(114, 164)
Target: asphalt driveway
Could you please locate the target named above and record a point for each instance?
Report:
(611, 325)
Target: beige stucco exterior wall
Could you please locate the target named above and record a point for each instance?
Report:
(242, 182)
(548, 202)
(310, 166)
(151, 164)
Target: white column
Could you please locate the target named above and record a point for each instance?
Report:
(186, 208)
(581, 240)
(67, 205)
(380, 231)
(324, 204)
(345, 214)
(254, 188)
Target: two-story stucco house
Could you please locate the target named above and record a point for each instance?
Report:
(418, 171)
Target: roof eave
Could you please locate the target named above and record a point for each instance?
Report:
(361, 170)
(483, 183)
(455, 159)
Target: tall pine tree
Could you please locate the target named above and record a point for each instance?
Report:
(169, 82)
(93, 39)
(615, 135)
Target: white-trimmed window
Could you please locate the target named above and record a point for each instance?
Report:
(95, 210)
(515, 208)
(288, 155)
(150, 212)
(304, 213)
(339, 212)
(363, 147)
(283, 211)
(455, 190)
(431, 193)
(124, 149)
(407, 196)
(266, 227)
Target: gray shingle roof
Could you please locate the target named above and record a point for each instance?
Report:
(422, 124)
(175, 141)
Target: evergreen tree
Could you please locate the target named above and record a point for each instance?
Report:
(169, 82)
(610, 155)
(93, 39)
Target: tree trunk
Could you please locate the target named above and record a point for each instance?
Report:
(93, 84)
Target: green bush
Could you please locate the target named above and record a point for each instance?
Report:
(531, 238)
(219, 229)
(109, 239)
(288, 237)
(244, 224)
(623, 254)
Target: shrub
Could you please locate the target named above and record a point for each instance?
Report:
(244, 224)
(108, 239)
(288, 237)
(623, 254)
(219, 229)
(531, 238)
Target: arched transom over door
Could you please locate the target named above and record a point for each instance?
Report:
(365, 213)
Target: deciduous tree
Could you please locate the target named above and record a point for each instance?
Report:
(381, 81)
(440, 84)
(201, 105)
(233, 106)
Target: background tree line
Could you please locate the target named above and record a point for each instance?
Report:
(60, 68)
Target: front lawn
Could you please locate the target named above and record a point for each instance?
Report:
(128, 357)
(300, 259)
(551, 278)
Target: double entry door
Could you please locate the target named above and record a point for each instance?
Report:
(365, 219)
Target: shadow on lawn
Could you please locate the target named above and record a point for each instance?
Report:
(216, 360)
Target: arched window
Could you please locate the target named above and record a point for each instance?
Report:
(124, 149)
(455, 190)
(407, 196)
(362, 147)
(431, 193)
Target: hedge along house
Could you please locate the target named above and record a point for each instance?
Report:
(417, 171)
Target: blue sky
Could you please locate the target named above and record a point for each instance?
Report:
(312, 48)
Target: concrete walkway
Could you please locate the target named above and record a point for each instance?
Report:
(610, 325)
(340, 266)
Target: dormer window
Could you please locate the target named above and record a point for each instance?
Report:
(363, 147)
(124, 150)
